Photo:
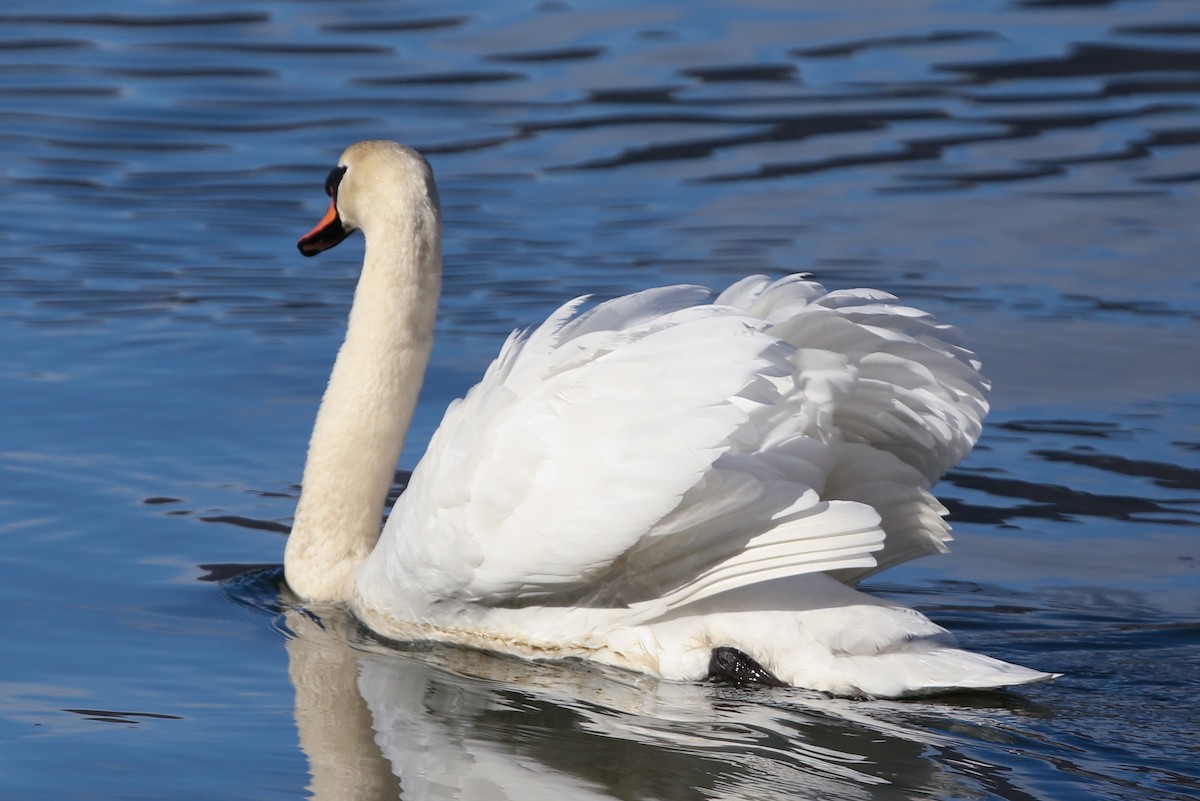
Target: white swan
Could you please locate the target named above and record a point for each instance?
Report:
(661, 484)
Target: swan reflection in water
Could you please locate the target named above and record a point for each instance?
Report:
(377, 721)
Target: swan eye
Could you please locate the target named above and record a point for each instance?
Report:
(335, 178)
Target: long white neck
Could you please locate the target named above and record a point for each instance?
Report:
(367, 407)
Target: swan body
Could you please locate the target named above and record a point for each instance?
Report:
(646, 484)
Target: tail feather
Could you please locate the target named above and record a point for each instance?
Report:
(928, 671)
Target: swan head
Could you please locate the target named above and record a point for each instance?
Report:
(375, 184)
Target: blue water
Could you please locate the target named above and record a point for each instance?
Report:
(1029, 171)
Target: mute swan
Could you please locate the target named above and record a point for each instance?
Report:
(662, 484)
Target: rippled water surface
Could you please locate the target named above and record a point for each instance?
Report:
(1026, 170)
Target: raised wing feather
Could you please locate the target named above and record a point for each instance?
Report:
(900, 381)
(889, 386)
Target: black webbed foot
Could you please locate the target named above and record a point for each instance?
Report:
(739, 667)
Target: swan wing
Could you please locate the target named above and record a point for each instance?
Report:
(612, 457)
(655, 450)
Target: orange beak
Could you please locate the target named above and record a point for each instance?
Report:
(325, 234)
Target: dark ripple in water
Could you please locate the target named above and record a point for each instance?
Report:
(1088, 60)
(1051, 502)
(396, 26)
(843, 49)
(136, 20)
(443, 78)
(1170, 476)
(538, 56)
